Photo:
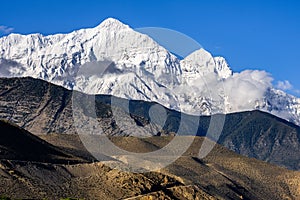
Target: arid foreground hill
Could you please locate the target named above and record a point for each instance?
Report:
(61, 168)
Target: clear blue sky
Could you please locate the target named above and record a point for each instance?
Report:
(250, 34)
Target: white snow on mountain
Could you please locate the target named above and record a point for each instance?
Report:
(114, 59)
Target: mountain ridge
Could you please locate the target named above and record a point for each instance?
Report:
(42, 108)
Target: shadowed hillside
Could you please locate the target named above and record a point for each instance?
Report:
(18, 144)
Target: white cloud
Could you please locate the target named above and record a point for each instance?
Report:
(284, 85)
(244, 89)
(5, 29)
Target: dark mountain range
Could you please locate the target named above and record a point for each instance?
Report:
(42, 108)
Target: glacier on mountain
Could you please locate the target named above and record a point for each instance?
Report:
(114, 59)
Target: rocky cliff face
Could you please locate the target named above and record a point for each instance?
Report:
(36, 105)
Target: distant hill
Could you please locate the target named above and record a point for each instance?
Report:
(263, 136)
(42, 108)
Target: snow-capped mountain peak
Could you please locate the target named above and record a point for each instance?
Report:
(139, 68)
(222, 67)
(198, 61)
(202, 62)
(112, 23)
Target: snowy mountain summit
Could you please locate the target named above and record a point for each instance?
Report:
(114, 59)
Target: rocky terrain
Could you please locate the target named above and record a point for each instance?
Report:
(43, 108)
(221, 175)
